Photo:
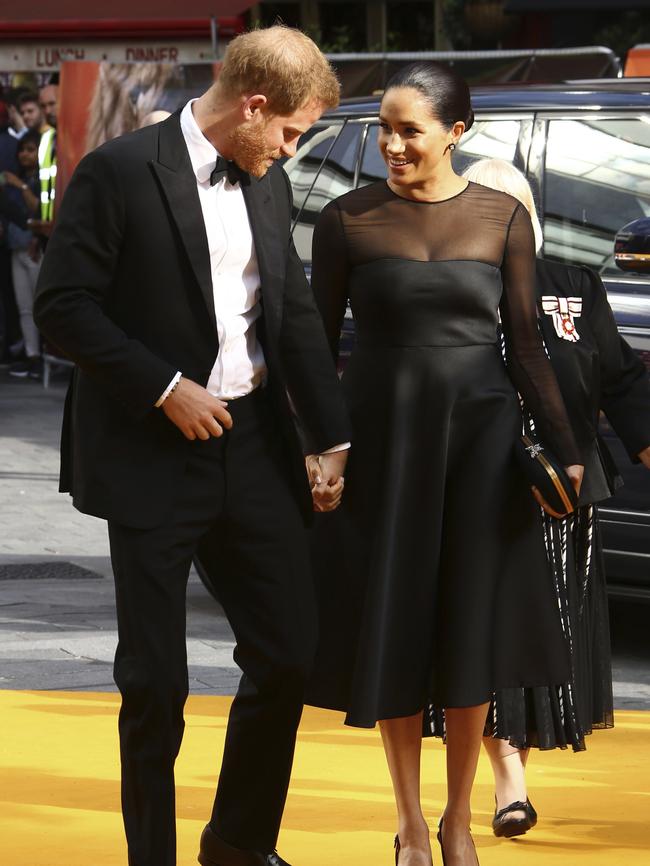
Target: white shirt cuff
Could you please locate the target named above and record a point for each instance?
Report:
(343, 447)
(165, 394)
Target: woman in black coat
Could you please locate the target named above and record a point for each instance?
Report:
(597, 371)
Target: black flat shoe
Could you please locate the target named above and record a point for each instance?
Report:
(442, 850)
(509, 827)
(215, 852)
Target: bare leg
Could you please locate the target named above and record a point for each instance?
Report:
(508, 766)
(464, 731)
(402, 740)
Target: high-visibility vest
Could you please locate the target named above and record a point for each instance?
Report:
(47, 173)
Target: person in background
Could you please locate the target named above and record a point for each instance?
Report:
(30, 112)
(18, 204)
(48, 102)
(597, 371)
(8, 143)
(48, 105)
(154, 117)
(16, 128)
(9, 330)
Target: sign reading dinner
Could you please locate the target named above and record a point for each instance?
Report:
(49, 57)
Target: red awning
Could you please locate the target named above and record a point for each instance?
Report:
(108, 28)
(82, 10)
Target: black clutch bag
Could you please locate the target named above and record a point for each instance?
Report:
(545, 472)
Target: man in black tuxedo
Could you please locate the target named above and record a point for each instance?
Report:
(172, 281)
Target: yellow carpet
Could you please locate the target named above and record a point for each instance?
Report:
(59, 790)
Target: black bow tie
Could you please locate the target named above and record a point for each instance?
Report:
(225, 168)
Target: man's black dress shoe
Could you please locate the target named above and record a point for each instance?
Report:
(215, 852)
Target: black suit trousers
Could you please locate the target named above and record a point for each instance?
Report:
(235, 508)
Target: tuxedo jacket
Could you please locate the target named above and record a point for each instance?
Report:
(125, 290)
(596, 370)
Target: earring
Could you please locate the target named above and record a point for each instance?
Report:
(452, 146)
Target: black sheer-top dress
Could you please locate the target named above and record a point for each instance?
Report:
(432, 575)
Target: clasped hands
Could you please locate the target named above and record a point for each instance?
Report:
(326, 480)
(199, 415)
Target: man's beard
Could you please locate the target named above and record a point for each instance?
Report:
(250, 150)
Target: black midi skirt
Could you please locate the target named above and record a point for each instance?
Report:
(432, 576)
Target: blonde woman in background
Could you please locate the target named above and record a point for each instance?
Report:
(126, 95)
(597, 371)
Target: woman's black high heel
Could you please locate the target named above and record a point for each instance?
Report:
(398, 848)
(442, 850)
(509, 827)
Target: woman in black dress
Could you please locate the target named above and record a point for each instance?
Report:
(434, 575)
(597, 371)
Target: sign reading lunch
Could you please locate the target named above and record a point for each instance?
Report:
(48, 57)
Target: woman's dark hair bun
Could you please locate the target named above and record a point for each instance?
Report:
(444, 90)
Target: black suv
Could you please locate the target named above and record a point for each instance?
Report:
(585, 148)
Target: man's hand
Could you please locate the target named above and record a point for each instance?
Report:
(15, 120)
(575, 474)
(326, 480)
(196, 413)
(41, 227)
(13, 180)
(644, 457)
(34, 250)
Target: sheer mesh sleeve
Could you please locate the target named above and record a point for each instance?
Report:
(329, 275)
(528, 364)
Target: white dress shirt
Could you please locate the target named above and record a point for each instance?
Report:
(240, 366)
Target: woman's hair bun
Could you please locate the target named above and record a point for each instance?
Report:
(444, 90)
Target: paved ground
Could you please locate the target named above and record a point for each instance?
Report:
(57, 631)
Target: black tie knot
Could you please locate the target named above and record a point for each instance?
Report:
(225, 168)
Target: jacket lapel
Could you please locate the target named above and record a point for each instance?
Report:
(268, 246)
(178, 184)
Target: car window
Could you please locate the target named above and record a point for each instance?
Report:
(486, 138)
(490, 139)
(597, 179)
(373, 166)
(324, 170)
(302, 168)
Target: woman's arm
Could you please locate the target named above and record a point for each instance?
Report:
(330, 272)
(528, 364)
(310, 375)
(31, 201)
